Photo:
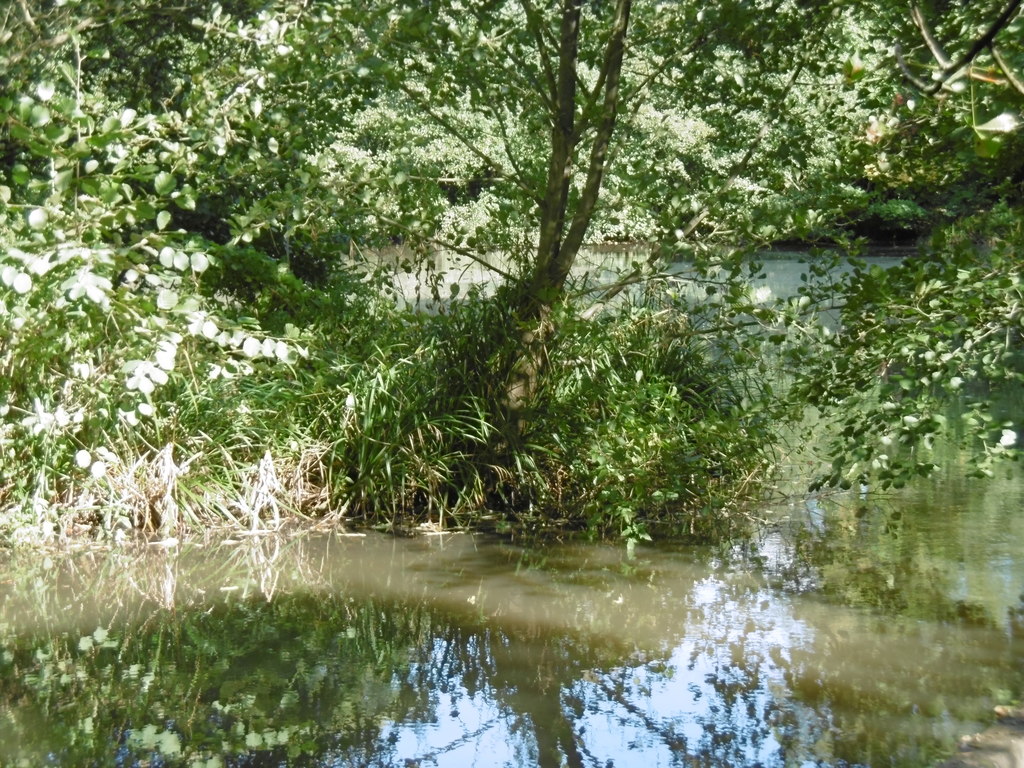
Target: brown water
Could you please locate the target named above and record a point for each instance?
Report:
(867, 632)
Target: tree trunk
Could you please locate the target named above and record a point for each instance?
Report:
(564, 226)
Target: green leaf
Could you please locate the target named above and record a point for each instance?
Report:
(63, 180)
(185, 197)
(39, 116)
(988, 145)
(163, 219)
(164, 183)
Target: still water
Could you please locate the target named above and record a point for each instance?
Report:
(851, 632)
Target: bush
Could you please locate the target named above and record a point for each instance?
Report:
(643, 422)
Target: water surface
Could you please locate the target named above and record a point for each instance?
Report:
(868, 632)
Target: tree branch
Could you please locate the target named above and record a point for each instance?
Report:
(1011, 77)
(460, 136)
(913, 79)
(507, 144)
(612, 71)
(542, 49)
(445, 245)
(929, 38)
(745, 160)
(539, 89)
(950, 70)
(986, 39)
(637, 274)
(563, 138)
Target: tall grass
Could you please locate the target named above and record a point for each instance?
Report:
(396, 420)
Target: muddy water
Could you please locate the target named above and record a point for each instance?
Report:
(852, 631)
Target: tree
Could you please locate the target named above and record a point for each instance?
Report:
(501, 75)
(929, 351)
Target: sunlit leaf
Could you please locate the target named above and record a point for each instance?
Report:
(284, 353)
(199, 262)
(39, 116)
(164, 357)
(38, 218)
(164, 183)
(45, 90)
(167, 299)
(1004, 123)
(22, 283)
(251, 347)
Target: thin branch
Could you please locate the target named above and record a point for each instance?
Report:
(507, 145)
(457, 134)
(542, 49)
(470, 254)
(951, 70)
(913, 79)
(747, 156)
(1011, 78)
(636, 94)
(28, 16)
(54, 42)
(637, 274)
(635, 277)
(445, 245)
(929, 38)
(987, 39)
(523, 71)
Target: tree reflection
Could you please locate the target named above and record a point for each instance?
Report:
(314, 652)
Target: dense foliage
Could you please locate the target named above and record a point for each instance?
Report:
(205, 318)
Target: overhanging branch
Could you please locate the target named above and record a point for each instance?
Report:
(950, 70)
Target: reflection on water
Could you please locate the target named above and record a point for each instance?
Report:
(866, 633)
